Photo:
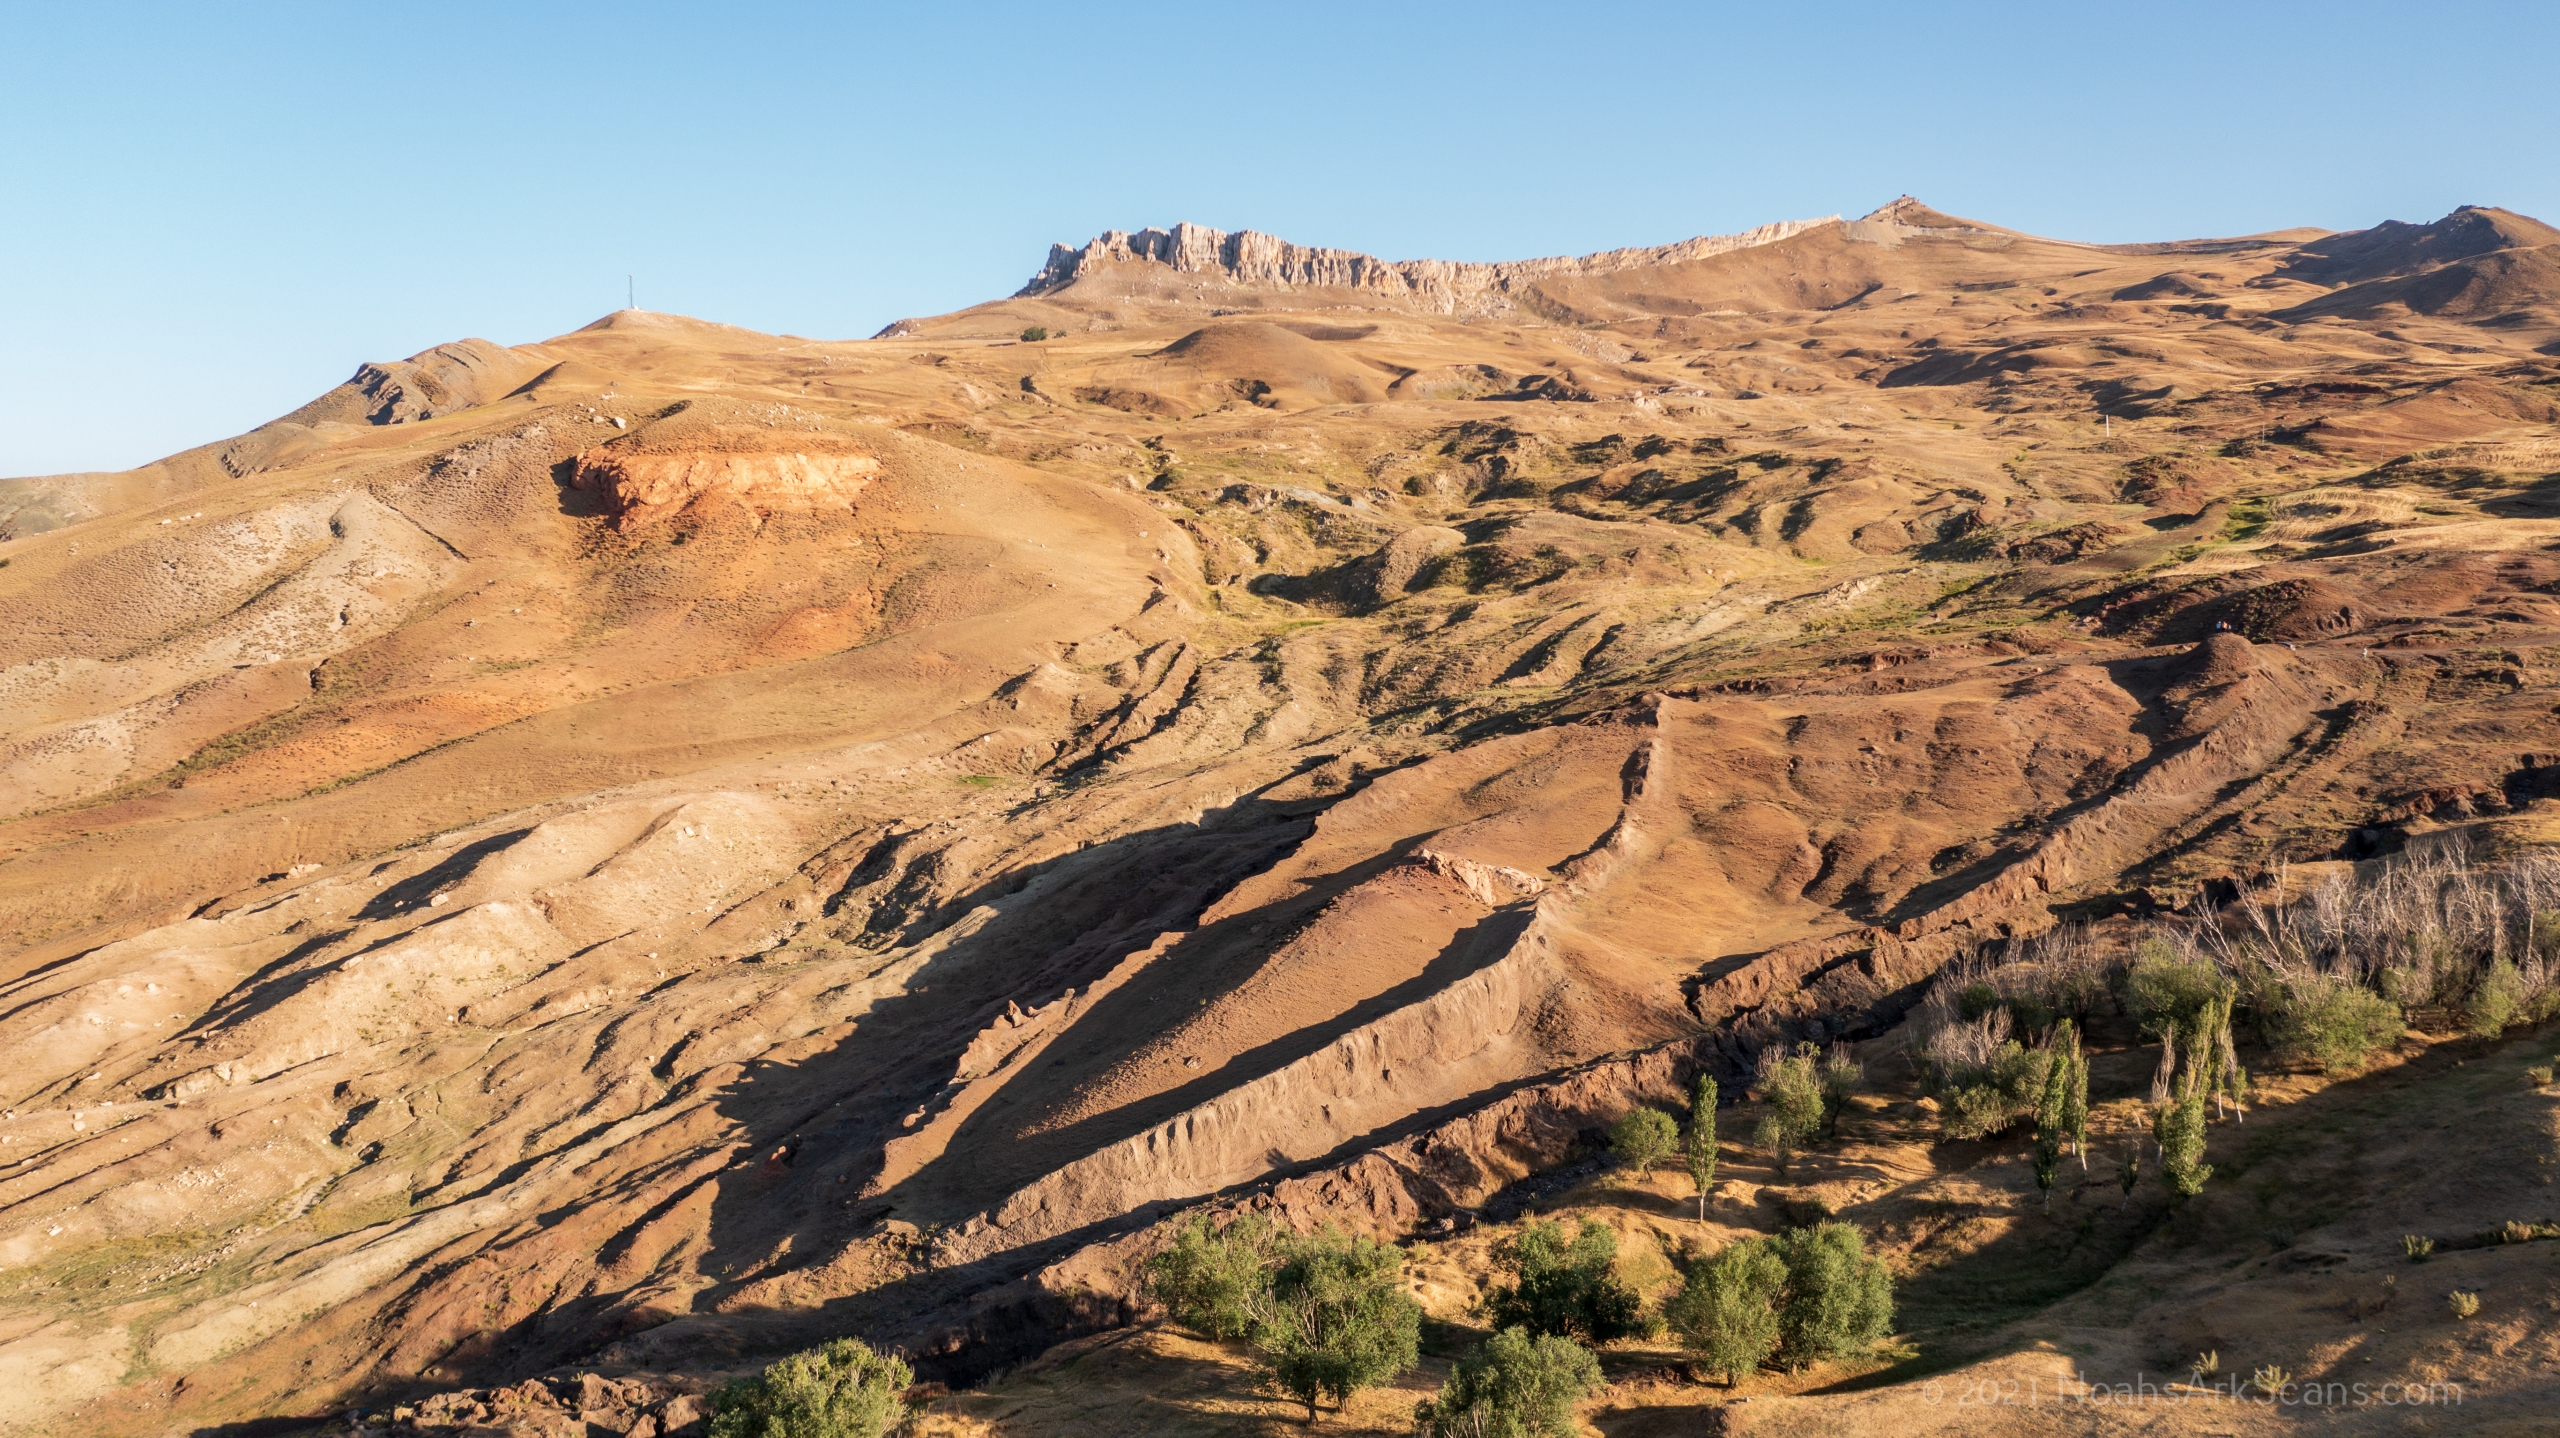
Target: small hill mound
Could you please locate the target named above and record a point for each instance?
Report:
(1268, 364)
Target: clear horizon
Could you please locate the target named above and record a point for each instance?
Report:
(218, 218)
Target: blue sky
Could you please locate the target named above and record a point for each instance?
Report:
(206, 218)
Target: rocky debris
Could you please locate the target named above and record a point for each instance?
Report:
(581, 1405)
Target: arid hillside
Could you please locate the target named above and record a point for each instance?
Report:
(665, 844)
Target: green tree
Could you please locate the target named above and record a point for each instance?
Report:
(1034, 335)
(2052, 1121)
(1515, 1386)
(1726, 1311)
(2334, 1022)
(1792, 1087)
(1339, 1320)
(1702, 1141)
(1217, 1280)
(1643, 1138)
(1566, 1286)
(2179, 1130)
(1839, 1297)
(841, 1390)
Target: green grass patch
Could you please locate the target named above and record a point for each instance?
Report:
(2246, 520)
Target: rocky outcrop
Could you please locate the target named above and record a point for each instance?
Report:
(1251, 257)
(645, 488)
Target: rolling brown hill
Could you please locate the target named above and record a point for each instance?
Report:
(669, 842)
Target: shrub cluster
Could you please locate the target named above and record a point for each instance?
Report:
(1567, 1287)
(1803, 1296)
(842, 1390)
(1326, 1311)
(1515, 1386)
(1805, 1091)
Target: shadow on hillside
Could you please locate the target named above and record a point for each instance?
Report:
(1122, 1021)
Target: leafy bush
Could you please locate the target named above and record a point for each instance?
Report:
(1791, 1084)
(1339, 1318)
(842, 1390)
(1567, 1287)
(1034, 335)
(1998, 1096)
(1976, 999)
(1839, 1297)
(2165, 989)
(1643, 1138)
(1726, 1311)
(1217, 1281)
(1804, 1296)
(2333, 1022)
(2496, 1002)
(1515, 1386)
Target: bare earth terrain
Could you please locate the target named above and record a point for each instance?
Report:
(624, 855)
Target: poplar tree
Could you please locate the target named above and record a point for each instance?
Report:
(2050, 1124)
(2075, 1096)
(2179, 1128)
(1702, 1140)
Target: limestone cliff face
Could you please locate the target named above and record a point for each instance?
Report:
(1251, 257)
